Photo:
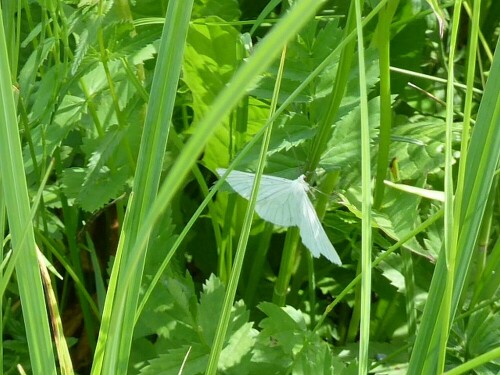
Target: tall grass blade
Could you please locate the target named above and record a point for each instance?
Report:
(366, 227)
(113, 351)
(230, 294)
(482, 160)
(15, 191)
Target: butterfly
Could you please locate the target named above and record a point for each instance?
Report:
(285, 203)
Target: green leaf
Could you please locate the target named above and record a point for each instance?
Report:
(312, 45)
(182, 322)
(342, 151)
(101, 151)
(106, 185)
(285, 344)
(47, 136)
(287, 149)
(213, 53)
(418, 147)
(171, 362)
(398, 216)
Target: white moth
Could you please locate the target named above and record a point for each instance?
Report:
(285, 202)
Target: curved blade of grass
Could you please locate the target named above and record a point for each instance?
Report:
(113, 350)
(15, 193)
(481, 162)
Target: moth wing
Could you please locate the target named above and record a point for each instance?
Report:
(242, 183)
(312, 233)
(286, 203)
(279, 208)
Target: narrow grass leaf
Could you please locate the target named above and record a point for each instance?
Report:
(15, 191)
(481, 163)
(113, 351)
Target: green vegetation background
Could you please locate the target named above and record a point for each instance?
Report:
(123, 251)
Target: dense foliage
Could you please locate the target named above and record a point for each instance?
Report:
(122, 112)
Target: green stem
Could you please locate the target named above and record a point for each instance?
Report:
(383, 41)
(286, 266)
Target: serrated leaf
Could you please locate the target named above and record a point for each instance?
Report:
(424, 154)
(171, 362)
(101, 153)
(86, 29)
(186, 322)
(237, 353)
(106, 186)
(391, 270)
(142, 47)
(87, 37)
(296, 131)
(285, 154)
(397, 216)
(285, 345)
(343, 148)
(185, 305)
(304, 54)
(210, 300)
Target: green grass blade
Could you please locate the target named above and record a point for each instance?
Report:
(450, 227)
(234, 278)
(15, 191)
(112, 351)
(482, 159)
(366, 230)
(483, 359)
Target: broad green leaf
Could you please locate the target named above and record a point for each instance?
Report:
(418, 147)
